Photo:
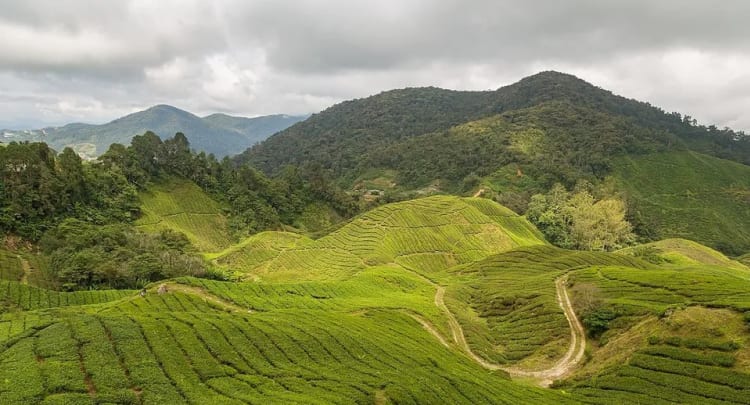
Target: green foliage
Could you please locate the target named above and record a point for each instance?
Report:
(39, 189)
(578, 221)
(588, 124)
(548, 128)
(597, 320)
(115, 256)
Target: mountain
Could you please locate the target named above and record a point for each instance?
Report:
(219, 134)
(342, 135)
(521, 139)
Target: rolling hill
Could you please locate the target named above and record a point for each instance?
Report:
(689, 195)
(462, 292)
(219, 134)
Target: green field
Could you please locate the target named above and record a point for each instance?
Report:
(682, 252)
(434, 300)
(690, 195)
(182, 206)
(181, 347)
(424, 235)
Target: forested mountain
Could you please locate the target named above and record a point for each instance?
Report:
(515, 142)
(345, 135)
(219, 134)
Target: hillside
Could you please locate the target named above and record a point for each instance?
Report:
(456, 290)
(219, 134)
(689, 195)
(425, 235)
(356, 129)
(181, 206)
(681, 252)
(519, 141)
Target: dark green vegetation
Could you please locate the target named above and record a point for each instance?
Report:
(85, 213)
(219, 134)
(515, 142)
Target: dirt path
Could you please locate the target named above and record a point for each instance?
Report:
(230, 306)
(430, 328)
(478, 193)
(544, 377)
(26, 270)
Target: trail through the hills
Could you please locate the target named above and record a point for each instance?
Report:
(478, 193)
(544, 377)
(26, 270)
(227, 305)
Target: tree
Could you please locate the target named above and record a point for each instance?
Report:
(71, 174)
(579, 221)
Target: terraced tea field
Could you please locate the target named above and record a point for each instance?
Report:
(506, 299)
(426, 235)
(690, 195)
(683, 252)
(436, 300)
(178, 348)
(182, 206)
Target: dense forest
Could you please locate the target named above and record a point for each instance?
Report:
(344, 136)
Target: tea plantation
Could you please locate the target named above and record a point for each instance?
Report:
(359, 316)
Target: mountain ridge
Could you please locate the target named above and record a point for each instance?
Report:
(402, 113)
(222, 137)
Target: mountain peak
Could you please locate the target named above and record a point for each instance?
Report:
(167, 109)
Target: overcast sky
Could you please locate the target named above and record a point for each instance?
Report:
(92, 61)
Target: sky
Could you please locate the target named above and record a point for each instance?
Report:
(67, 61)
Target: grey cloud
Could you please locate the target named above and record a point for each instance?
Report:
(352, 35)
(73, 60)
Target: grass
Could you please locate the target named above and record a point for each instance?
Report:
(692, 196)
(182, 206)
(683, 252)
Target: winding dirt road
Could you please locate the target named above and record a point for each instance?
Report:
(543, 377)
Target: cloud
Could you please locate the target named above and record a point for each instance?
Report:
(76, 60)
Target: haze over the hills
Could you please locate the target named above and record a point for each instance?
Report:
(220, 134)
